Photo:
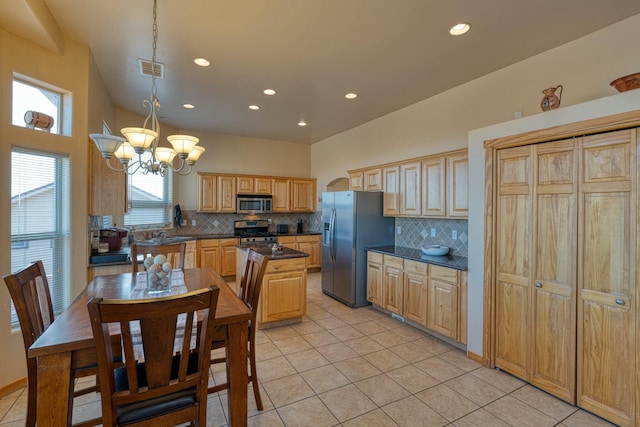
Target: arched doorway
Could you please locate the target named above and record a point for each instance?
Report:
(338, 184)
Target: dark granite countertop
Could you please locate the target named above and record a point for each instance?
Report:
(285, 253)
(451, 261)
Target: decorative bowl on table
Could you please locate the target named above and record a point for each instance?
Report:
(623, 84)
(158, 274)
(435, 250)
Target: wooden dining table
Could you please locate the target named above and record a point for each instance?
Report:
(68, 343)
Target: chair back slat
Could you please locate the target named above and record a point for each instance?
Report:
(29, 290)
(156, 336)
(175, 253)
(251, 281)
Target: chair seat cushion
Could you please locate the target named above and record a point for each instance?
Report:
(151, 408)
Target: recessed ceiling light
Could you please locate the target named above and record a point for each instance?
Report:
(351, 95)
(189, 106)
(302, 123)
(254, 107)
(269, 92)
(459, 29)
(202, 62)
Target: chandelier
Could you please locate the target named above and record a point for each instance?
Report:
(138, 141)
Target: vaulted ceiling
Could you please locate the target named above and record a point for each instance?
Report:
(311, 52)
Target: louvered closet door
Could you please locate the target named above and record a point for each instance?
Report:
(553, 366)
(607, 274)
(513, 268)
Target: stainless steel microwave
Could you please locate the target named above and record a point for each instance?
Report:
(254, 203)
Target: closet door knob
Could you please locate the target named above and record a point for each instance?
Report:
(538, 285)
(619, 301)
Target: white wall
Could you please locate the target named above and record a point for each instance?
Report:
(69, 71)
(585, 67)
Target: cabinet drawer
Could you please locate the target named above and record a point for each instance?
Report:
(415, 267)
(229, 242)
(308, 239)
(443, 273)
(374, 257)
(290, 264)
(209, 243)
(286, 239)
(394, 261)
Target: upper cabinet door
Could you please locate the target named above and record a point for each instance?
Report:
(246, 185)
(262, 185)
(373, 179)
(227, 193)
(433, 187)
(391, 178)
(303, 194)
(281, 195)
(107, 188)
(356, 182)
(458, 185)
(207, 189)
(410, 189)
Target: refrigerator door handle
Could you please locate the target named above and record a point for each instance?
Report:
(332, 230)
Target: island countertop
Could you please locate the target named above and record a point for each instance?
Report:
(285, 253)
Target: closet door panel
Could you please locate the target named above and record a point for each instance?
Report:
(554, 292)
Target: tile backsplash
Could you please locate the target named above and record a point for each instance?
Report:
(416, 232)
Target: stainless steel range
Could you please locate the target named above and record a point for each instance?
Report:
(254, 232)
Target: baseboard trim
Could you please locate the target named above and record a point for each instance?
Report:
(475, 357)
(12, 387)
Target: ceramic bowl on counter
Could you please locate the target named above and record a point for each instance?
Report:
(435, 250)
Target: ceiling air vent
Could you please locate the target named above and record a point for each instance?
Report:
(146, 68)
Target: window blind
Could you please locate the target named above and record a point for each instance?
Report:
(40, 184)
(150, 199)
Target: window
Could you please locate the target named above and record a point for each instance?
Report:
(150, 199)
(40, 183)
(31, 97)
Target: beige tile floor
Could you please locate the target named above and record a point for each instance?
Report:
(359, 367)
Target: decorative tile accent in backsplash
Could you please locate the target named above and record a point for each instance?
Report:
(416, 232)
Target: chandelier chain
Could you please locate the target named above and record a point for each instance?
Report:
(154, 89)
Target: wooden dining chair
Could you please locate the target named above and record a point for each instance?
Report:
(174, 252)
(166, 368)
(29, 290)
(249, 289)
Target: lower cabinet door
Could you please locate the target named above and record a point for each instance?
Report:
(443, 308)
(283, 296)
(415, 297)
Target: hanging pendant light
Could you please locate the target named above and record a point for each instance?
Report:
(141, 140)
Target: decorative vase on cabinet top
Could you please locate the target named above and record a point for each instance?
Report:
(551, 101)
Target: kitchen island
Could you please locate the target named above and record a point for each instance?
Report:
(283, 297)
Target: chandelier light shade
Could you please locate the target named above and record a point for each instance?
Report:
(141, 140)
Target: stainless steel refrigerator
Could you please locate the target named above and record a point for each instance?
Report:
(351, 222)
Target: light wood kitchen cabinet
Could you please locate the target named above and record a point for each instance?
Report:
(281, 194)
(410, 189)
(108, 269)
(458, 185)
(565, 281)
(226, 193)
(433, 187)
(356, 181)
(443, 301)
(303, 195)
(207, 192)
(374, 277)
(391, 197)
(431, 296)
(372, 179)
(219, 254)
(262, 185)
(107, 188)
(284, 291)
(393, 288)
(415, 291)
(245, 185)
(309, 244)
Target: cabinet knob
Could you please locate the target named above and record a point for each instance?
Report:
(619, 301)
(538, 285)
